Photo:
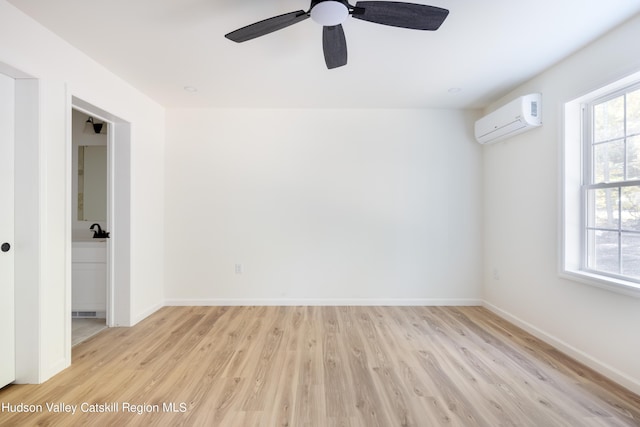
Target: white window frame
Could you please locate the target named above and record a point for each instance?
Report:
(575, 150)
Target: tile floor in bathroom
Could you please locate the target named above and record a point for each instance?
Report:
(82, 329)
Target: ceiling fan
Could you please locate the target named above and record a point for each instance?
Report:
(332, 13)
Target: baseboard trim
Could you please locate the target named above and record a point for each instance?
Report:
(608, 371)
(324, 302)
(148, 312)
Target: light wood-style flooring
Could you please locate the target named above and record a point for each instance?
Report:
(322, 367)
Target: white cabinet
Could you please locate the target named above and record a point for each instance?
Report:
(89, 277)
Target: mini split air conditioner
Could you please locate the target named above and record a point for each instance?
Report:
(520, 115)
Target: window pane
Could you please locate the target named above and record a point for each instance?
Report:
(609, 120)
(603, 208)
(608, 162)
(633, 113)
(631, 255)
(630, 204)
(603, 251)
(633, 158)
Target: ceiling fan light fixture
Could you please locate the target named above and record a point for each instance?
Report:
(329, 13)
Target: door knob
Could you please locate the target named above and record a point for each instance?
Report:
(5, 247)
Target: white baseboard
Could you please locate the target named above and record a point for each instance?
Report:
(582, 357)
(148, 312)
(324, 302)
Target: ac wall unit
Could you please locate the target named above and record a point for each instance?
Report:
(519, 115)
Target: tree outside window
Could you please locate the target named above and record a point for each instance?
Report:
(612, 185)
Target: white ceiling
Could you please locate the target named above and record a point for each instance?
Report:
(485, 48)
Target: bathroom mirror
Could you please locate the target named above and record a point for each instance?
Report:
(92, 182)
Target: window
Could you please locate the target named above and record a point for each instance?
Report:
(601, 188)
(611, 189)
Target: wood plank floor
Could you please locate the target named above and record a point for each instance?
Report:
(322, 366)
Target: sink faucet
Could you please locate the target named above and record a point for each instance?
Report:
(100, 233)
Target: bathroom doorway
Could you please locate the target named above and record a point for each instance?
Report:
(90, 284)
(118, 218)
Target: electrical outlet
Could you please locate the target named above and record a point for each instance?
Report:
(238, 268)
(496, 274)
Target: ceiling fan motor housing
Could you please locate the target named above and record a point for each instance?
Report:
(329, 12)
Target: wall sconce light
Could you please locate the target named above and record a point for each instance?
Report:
(97, 127)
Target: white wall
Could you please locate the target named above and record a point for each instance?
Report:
(521, 186)
(322, 206)
(63, 72)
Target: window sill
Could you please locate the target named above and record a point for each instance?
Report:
(603, 282)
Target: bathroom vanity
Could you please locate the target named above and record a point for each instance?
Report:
(89, 278)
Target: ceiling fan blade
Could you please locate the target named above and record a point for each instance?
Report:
(267, 26)
(399, 14)
(334, 45)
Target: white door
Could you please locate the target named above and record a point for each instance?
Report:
(7, 302)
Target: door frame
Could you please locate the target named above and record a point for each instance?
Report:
(118, 210)
(8, 309)
(28, 184)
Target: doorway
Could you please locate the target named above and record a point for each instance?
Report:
(118, 206)
(90, 284)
